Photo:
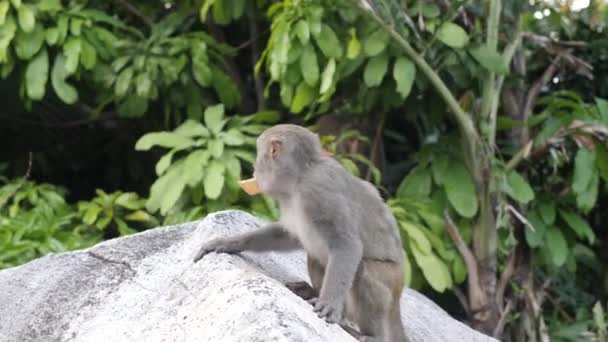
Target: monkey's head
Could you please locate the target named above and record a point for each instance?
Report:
(284, 152)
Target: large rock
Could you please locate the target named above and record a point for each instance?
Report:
(146, 288)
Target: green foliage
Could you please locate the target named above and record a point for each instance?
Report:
(204, 162)
(36, 220)
(115, 211)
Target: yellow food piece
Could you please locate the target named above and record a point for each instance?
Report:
(250, 186)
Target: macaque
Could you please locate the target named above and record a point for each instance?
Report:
(351, 239)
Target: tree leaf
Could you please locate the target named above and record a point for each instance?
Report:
(164, 162)
(309, 66)
(404, 73)
(328, 42)
(376, 42)
(460, 190)
(191, 129)
(36, 75)
(459, 270)
(303, 97)
(439, 168)
(557, 246)
(417, 236)
(123, 82)
(4, 7)
(416, 184)
(547, 211)
(518, 188)
(578, 225)
(303, 32)
(214, 118)
(489, 59)
(65, 91)
(88, 55)
(584, 168)
(27, 44)
(71, 50)
(587, 199)
(375, 70)
(452, 35)
(328, 76)
(201, 71)
(434, 270)
(166, 190)
(26, 18)
(233, 137)
(163, 139)
(214, 179)
(536, 233)
(193, 167)
(132, 106)
(216, 147)
(353, 49)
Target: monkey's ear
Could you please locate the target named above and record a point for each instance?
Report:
(275, 148)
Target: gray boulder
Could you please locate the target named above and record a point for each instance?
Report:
(145, 288)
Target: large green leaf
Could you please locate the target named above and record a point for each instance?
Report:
(588, 198)
(452, 35)
(304, 96)
(518, 188)
(584, 167)
(309, 66)
(27, 44)
(328, 42)
(132, 106)
(439, 167)
(460, 190)
(435, 271)
(4, 7)
(123, 82)
(166, 190)
(36, 75)
(376, 42)
(416, 184)
(71, 50)
(191, 128)
(353, 49)
(164, 162)
(214, 118)
(557, 246)
(214, 179)
(88, 55)
(216, 147)
(375, 69)
(193, 166)
(578, 225)
(233, 137)
(163, 139)
(328, 76)
(536, 233)
(404, 73)
(489, 59)
(416, 235)
(303, 32)
(26, 17)
(546, 210)
(65, 91)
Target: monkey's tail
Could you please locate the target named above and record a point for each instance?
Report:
(397, 330)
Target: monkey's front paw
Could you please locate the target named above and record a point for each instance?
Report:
(218, 245)
(331, 312)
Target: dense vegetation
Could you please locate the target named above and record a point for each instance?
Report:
(484, 124)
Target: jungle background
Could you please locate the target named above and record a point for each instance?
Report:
(483, 124)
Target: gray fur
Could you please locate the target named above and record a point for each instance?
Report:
(349, 234)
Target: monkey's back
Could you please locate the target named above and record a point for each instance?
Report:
(354, 207)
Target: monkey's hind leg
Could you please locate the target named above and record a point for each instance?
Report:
(375, 293)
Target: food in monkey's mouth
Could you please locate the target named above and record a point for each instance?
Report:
(250, 186)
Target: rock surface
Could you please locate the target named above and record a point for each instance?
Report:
(146, 288)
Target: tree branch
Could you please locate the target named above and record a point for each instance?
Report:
(469, 260)
(505, 277)
(135, 11)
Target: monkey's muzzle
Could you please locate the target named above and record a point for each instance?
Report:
(250, 186)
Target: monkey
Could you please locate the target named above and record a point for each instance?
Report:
(351, 239)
